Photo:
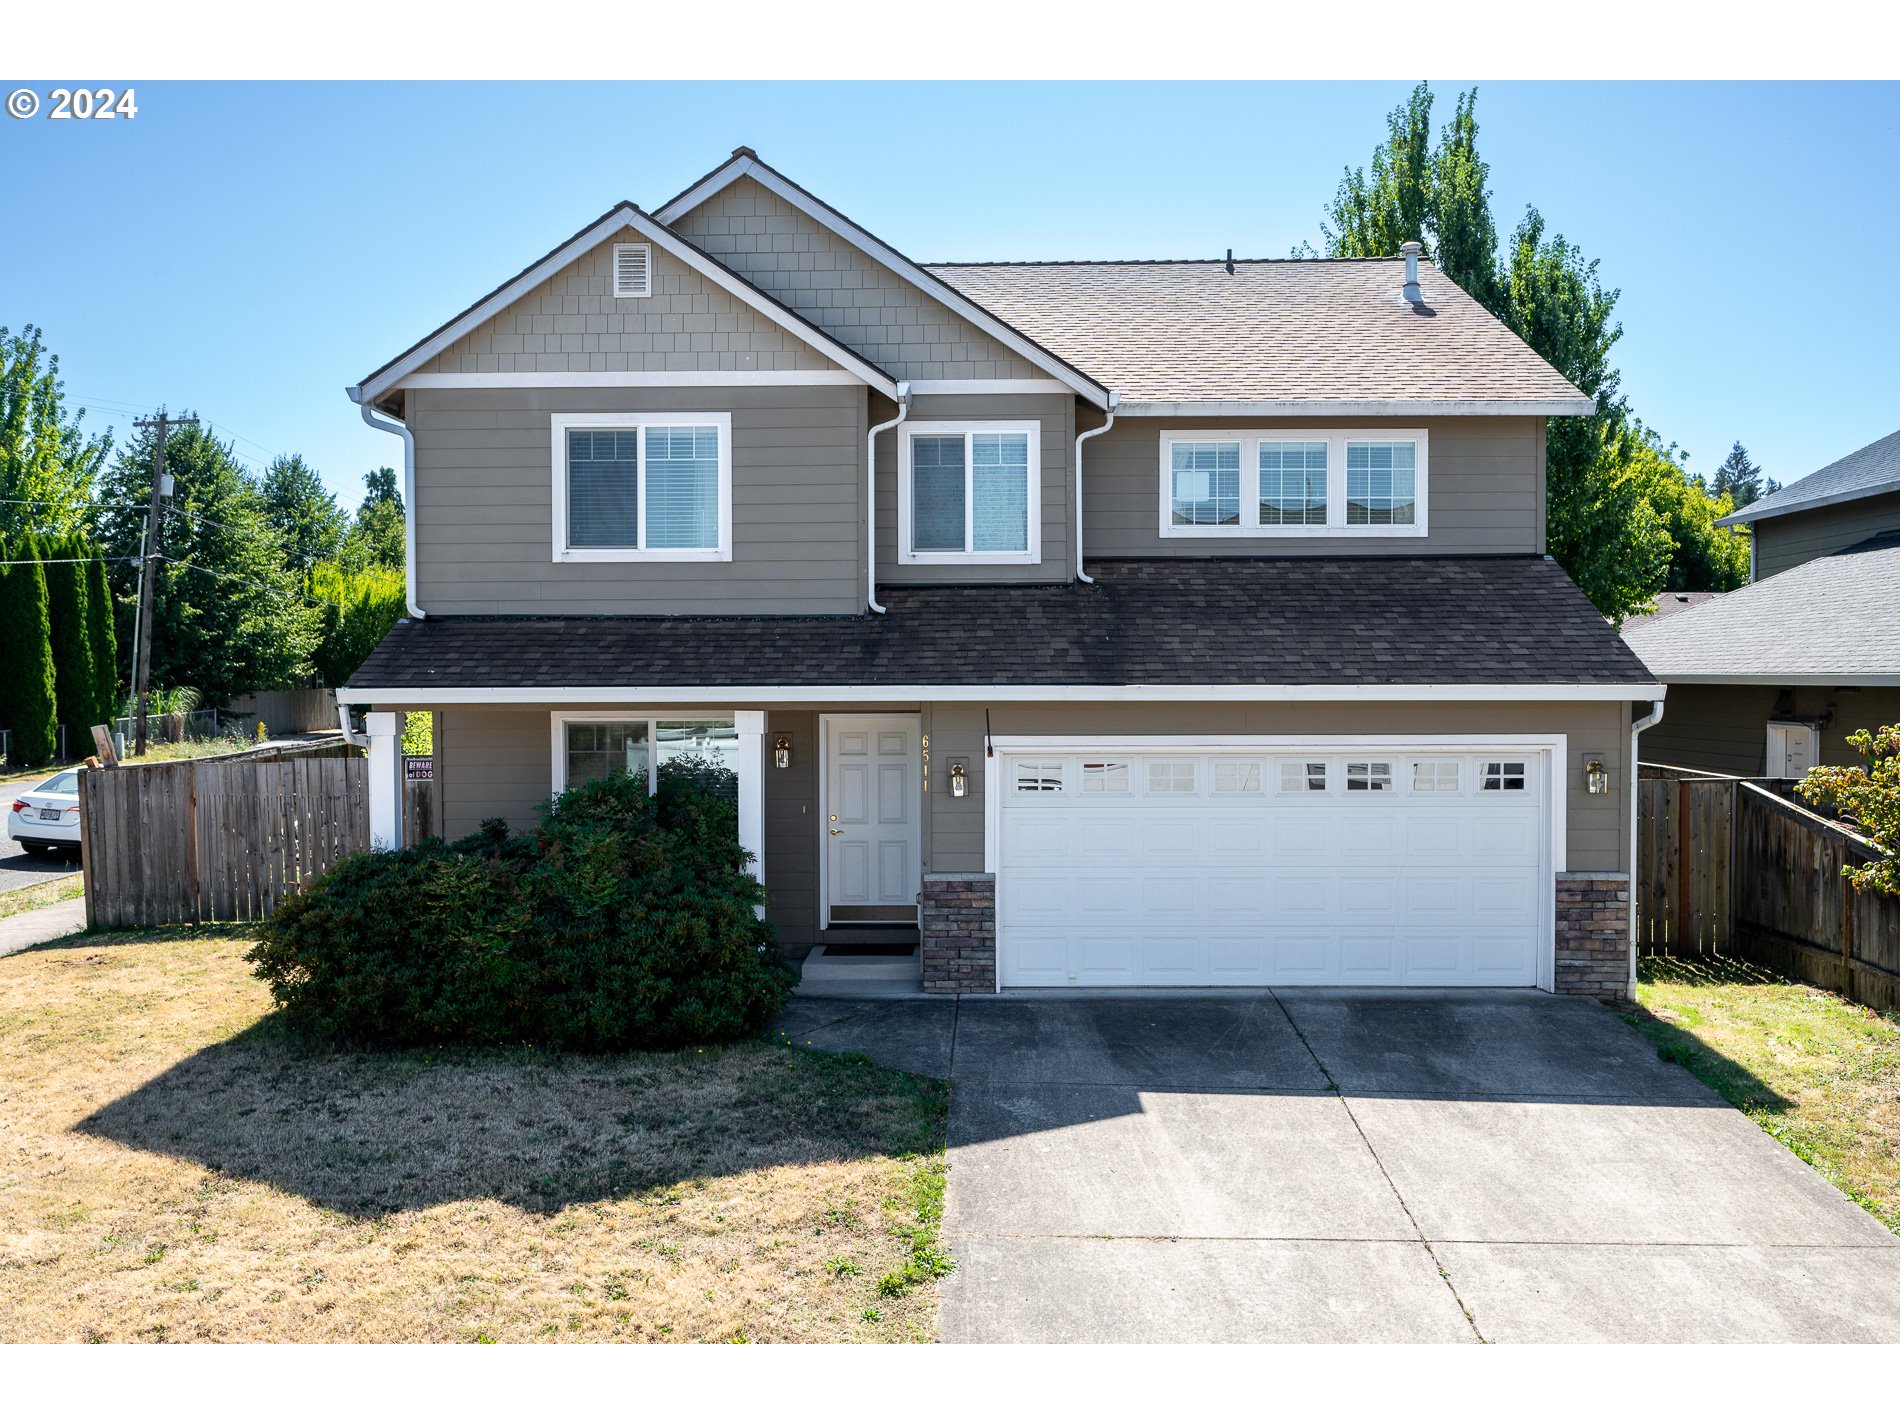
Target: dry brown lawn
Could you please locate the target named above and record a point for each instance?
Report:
(174, 1167)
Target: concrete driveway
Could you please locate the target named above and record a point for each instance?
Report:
(1357, 1166)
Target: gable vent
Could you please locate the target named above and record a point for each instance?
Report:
(633, 269)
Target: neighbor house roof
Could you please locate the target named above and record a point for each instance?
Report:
(1871, 470)
(1333, 337)
(1834, 620)
(1667, 604)
(1396, 624)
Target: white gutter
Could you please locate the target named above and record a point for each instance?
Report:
(1637, 729)
(370, 418)
(1114, 400)
(870, 495)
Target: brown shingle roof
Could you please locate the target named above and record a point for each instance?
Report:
(1295, 330)
(1368, 621)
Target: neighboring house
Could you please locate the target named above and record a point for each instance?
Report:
(1770, 679)
(1143, 623)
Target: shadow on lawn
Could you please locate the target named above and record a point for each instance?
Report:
(369, 1134)
(1679, 1044)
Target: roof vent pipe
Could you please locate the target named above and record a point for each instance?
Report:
(1411, 251)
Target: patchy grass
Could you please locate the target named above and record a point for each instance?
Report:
(175, 1167)
(45, 893)
(1817, 1072)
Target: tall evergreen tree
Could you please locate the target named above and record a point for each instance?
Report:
(66, 597)
(102, 644)
(376, 538)
(229, 615)
(304, 514)
(1740, 478)
(27, 705)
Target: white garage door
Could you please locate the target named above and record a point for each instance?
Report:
(1271, 866)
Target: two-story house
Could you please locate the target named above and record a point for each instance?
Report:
(1097, 623)
(1770, 679)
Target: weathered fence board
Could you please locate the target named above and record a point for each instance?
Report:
(215, 839)
(1727, 866)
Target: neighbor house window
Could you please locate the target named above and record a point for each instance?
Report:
(587, 748)
(969, 493)
(633, 486)
(1293, 484)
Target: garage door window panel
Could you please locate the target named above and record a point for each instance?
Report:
(1302, 776)
(1368, 776)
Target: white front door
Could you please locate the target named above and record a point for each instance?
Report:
(873, 844)
(1274, 865)
(1792, 749)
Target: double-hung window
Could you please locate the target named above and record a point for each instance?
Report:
(1288, 483)
(634, 486)
(969, 492)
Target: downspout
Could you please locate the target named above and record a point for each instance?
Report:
(1114, 400)
(870, 495)
(1637, 729)
(370, 418)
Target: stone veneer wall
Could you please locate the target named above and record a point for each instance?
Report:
(959, 934)
(1593, 927)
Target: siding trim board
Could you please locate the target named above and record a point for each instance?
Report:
(1023, 693)
(625, 216)
(536, 380)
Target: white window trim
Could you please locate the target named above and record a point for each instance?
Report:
(1335, 527)
(907, 555)
(557, 733)
(647, 291)
(561, 422)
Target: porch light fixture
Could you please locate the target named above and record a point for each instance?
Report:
(782, 751)
(1596, 781)
(959, 780)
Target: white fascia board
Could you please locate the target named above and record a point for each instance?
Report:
(471, 380)
(728, 696)
(1803, 678)
(1005, 386)
(762, 174)
(1346, 409)
(624, 217)
(1819, 502)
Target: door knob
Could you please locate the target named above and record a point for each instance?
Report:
(835, 830)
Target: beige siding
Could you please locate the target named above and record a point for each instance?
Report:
(1485, 491)
(1716, 727)
(841, 290)
(1057, 416)
(491, 762)
(1788, 540)
(1598, 827)
(573, 322)
(485, 490)
(791, 829)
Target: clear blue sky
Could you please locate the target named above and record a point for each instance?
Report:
(247, 250)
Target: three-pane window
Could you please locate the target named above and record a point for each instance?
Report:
(1293, 483)
(968, 493)
(630, 487)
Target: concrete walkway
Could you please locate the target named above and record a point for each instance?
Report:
(35, 927)
(1355, 1166)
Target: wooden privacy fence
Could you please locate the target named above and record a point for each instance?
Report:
(1726, 866)
(215, 839)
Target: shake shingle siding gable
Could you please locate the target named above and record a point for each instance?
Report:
(1326, 622)
(1309, 331)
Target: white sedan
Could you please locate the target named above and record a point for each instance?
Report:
(46, 819)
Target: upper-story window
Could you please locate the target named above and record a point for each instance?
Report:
(1276, 484)
(634, 486)
(969, 492)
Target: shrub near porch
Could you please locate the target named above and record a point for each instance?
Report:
(174, 1166)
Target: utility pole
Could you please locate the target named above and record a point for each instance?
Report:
(148, 573)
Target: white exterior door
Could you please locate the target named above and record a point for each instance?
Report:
(873, 842)
(1275, 866)
(1793, 749)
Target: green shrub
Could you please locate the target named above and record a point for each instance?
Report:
(626, 921)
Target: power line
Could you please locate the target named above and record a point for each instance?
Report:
(240, 579)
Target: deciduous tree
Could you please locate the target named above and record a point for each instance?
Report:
(1871, 796)
(47, 463)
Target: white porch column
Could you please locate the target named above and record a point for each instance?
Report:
(385, 791)
(751, 727)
